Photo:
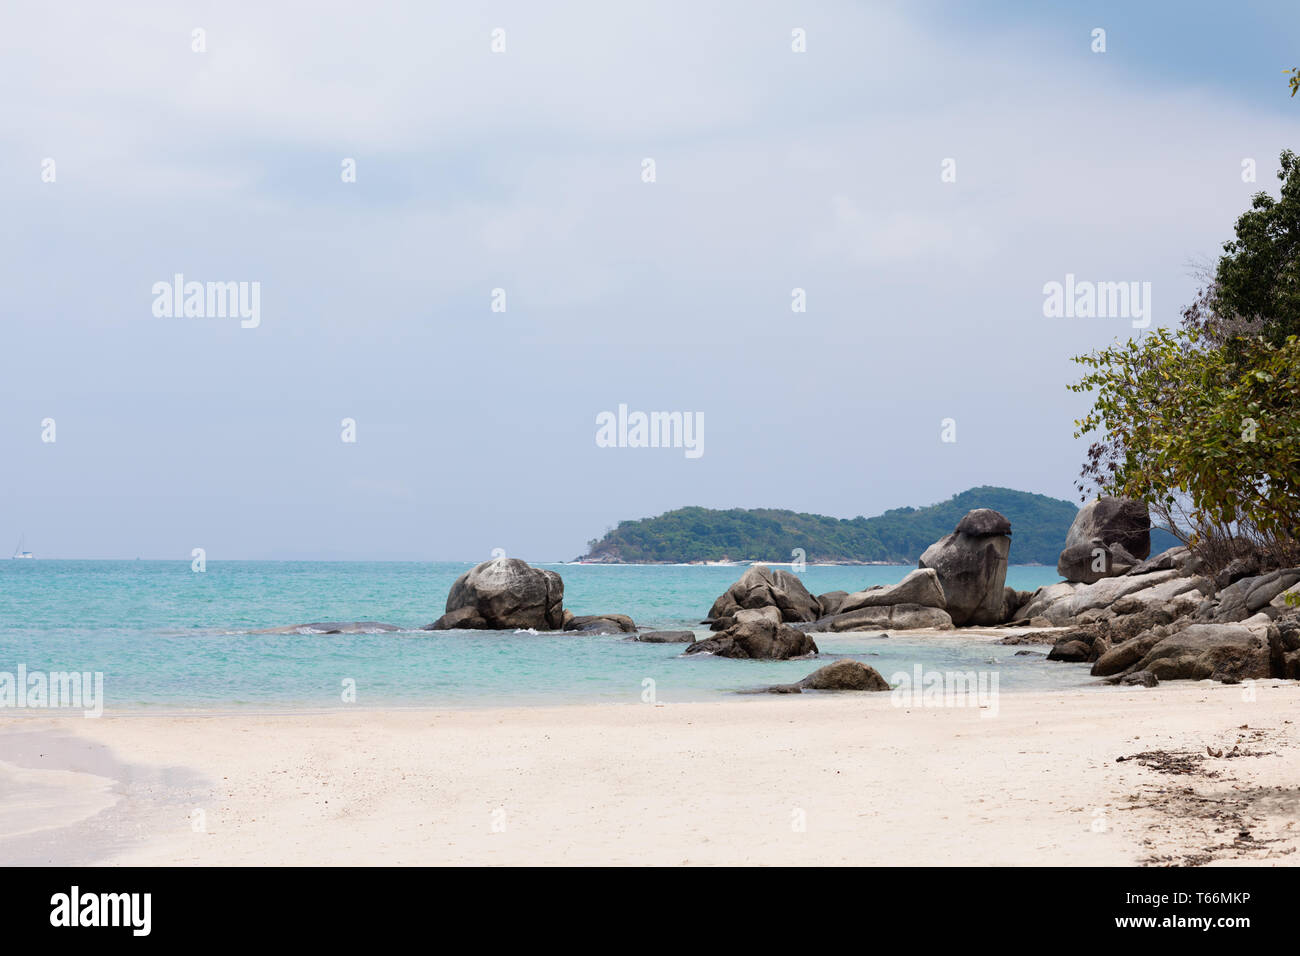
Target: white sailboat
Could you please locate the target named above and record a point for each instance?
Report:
(19, 552)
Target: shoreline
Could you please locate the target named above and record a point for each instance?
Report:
(632, 784)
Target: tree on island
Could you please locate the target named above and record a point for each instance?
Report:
(1203, 421)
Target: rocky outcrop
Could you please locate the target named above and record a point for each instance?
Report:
(760, 639)
(1223, 652)
(504, 594)
(971, 566)
(1066, 603)
(1166, 620)
(841, 675)
(761, 587)
(920, 587)
(1109, 537)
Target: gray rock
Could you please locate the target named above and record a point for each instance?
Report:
(746, 615)
(1177, 558)
(890, 617)
(1246, 566)
(1280, 600)
(1216, 651)
(1284, 645)
(1042, 599)
(504, 594)
(845, 675)
(757, 640)
(1105, 593)
(1139, 679)
(761, 587)
(601, 624)
(1246, 596)
(665, 637)
(972, 571)
(1070, 651)
(1108, 537)
(918, 587)
(983, 521)
(831, 602)
(1123, 656)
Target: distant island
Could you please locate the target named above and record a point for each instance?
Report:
(686, 535)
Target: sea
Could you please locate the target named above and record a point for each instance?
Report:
(167, 637)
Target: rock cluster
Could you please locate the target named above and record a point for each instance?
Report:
(1162, 620)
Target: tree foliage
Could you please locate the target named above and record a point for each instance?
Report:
(1203, 421)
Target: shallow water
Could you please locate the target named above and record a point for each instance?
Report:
(165, 636)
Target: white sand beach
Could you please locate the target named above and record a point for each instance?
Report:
(808, 779)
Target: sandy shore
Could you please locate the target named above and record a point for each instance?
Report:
(809, 779)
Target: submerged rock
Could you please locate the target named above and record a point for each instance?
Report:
(665, 637)
(601, 624)
(333, 627)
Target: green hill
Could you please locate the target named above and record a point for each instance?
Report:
(1038, 527)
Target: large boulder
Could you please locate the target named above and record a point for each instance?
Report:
(919, 587)
(760, 639)
(1042, 599)
(1109, 537)
(971, 567)
(504, 594)
(832, 601)
(761, 587)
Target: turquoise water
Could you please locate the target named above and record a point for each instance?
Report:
(165, 636)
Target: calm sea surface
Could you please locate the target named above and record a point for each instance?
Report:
(167, 637)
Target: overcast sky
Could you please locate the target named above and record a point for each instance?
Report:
(522, 170)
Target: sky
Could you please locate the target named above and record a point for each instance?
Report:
(524, 169)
